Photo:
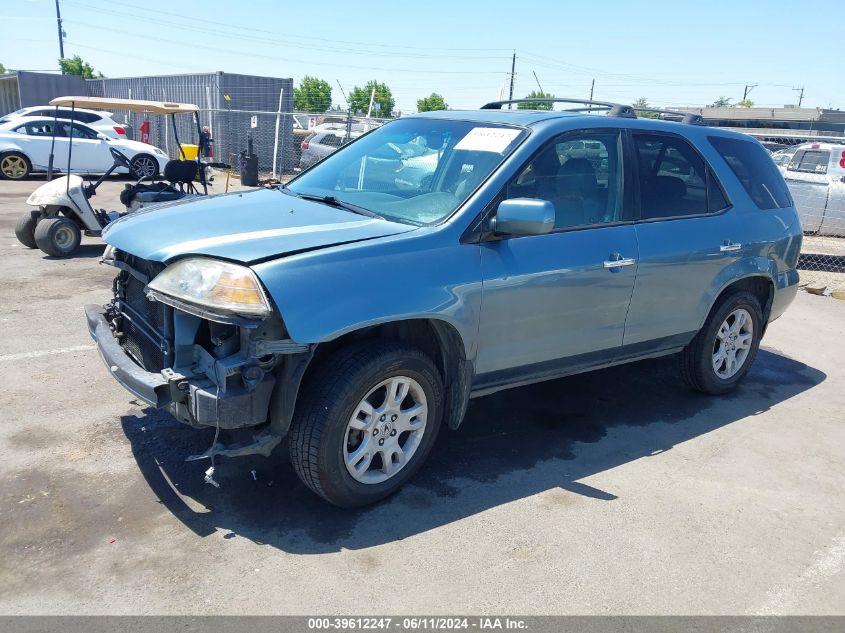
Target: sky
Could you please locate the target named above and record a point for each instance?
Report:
(673, 54)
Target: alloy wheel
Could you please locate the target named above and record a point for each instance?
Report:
(385, 430)
(144, 166)
(733, 343)
(13, 167)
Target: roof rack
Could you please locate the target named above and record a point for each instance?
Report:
(686, 117)
(612, 109)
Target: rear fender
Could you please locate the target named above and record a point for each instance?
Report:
(745, 268)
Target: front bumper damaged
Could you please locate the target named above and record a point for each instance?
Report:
(195, 400)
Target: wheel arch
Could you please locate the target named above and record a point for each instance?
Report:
(761, 285)
(437, 338)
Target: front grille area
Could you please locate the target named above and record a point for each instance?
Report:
(145, 326)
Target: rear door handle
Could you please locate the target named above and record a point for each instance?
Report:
(730, 247)
(618, 263)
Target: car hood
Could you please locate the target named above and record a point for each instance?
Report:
(247, 227)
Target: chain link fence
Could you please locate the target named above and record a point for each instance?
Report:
(283, 143)
(814, 174)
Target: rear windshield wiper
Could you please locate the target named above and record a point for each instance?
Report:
(332, 201)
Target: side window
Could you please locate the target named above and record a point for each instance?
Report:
(38, 128)
(77, 131)
(673, 178)
(580, 174)
(331, 139)
(755, 171)
(87, 117)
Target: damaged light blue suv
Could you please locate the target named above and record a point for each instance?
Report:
(441, 257)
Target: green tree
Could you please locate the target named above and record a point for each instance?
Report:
(2, 69)
(77, 66)
(642, 102)
(359, 99)
(432, 102)
(721, 102)
(312, 95)
(536, 105)
(745, 103)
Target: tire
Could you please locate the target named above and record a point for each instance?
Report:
(705, 363)
(144, 165)
(322, 438)
(25, 228)
(14, 166)
(58, 237)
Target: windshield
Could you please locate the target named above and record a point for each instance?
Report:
(412, 170)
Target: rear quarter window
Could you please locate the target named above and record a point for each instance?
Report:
(755, 170)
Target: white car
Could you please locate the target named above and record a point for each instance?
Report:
(99, 120)
(815, 175)
(25, 144)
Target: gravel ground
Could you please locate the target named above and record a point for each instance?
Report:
(613, 492)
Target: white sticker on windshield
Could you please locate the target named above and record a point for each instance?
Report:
(487, 139)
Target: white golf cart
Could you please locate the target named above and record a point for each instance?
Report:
(64, 209)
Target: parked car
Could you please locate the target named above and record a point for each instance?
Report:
(815, 174)
(100, 121)
(356, 311)
(320, 144)
(26, 142)
(774, 147)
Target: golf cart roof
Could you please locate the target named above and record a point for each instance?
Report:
(132, 105)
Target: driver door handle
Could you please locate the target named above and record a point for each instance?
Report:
(617, 261)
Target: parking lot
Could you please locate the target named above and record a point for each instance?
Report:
(612, 492)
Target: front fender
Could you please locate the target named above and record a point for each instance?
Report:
(327, 293)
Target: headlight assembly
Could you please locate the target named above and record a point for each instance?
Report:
(214, 285)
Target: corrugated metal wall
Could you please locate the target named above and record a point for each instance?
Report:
(229, 123)
(38, 88)
(9, 99)
(23, 88)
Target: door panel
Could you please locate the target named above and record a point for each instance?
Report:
(685, 236)
(678, 262)
(551, 298)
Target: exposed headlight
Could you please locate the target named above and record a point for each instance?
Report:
(108, 255)
(212, 284)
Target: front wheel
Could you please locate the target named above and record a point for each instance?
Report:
(366, 421)
(721, 354)
(144, 166)
(25, 228)
(58, 237)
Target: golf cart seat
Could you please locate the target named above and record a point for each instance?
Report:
(178, 181)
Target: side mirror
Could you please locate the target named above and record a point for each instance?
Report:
(524, 216)
(102, 136)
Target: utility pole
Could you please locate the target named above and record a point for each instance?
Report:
(61, 33)
(513, 72)
(748, 88)
(538, 82)
(592, 87)
(801, 95)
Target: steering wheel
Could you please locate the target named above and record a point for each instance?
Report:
(120, 159)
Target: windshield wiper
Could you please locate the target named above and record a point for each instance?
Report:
(332, 201)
